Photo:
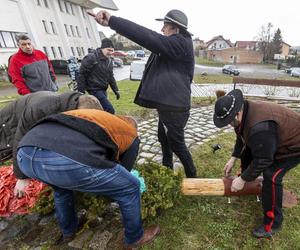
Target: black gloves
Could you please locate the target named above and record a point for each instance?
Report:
(117, 95)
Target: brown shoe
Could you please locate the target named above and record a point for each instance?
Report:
(149, 235)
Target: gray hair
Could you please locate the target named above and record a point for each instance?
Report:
(88, 102)
(22, 37)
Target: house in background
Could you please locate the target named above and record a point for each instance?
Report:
(218, 43)
(235, 55)
(285, 49)
(60, 28)
(197, 43)
(248, 45)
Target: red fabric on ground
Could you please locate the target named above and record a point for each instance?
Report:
(9, 204)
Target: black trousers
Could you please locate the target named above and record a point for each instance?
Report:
(272, 190)
(171, 137)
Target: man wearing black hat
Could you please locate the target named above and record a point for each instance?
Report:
(96, 73)
(166, 82)
(268, 142)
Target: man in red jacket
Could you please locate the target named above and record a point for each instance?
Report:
(30, 69)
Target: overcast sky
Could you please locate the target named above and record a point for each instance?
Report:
(234, 19)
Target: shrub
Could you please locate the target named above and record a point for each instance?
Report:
(163, 190)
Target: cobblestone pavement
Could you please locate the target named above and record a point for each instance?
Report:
(199, 129)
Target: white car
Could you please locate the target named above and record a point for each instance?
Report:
(137, 69)
(295, 72)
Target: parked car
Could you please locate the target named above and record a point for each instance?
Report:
(139, 53)
(60, 66)
(137, 69)
(288, 70)
(295, 72)
(231, 70)
(117, 62)
(131, 53)
(119, 53)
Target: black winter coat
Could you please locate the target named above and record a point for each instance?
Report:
(96, 73)
(18, 117)
(166, 83)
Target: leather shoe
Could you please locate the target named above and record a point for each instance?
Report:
(149, 235)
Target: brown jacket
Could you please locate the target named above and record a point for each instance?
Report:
(288, 123)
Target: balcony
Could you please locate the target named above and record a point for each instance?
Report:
(90, 4)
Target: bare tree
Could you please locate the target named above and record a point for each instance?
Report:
(264, 41)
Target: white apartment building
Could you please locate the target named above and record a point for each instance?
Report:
(60, 28)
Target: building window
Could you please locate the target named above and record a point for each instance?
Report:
(72, 10)
(88, 33)
(67, 7)
(61, 52)
(46, 51)
(67, 30)
(83, 53)
(7, 39)
(53, 28)
(38, 2)
(73, 51)
(46, 3)
(83, 12)
(60, 5)
(45, 26)
(72, 30)
(54, 52)
(77, 31)
(78, 51)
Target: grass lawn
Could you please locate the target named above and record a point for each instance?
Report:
(5, 84)
(125, 104)
(203, 61)
(212, 223)
(222, 78)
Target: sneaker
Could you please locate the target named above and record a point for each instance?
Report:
(260, 232)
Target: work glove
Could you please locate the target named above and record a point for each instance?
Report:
(237, 184)
(117, 95)
(19, 190)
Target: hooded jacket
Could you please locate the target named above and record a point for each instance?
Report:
(166, 82)
(18, 117)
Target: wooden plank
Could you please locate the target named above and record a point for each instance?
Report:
(260, 81)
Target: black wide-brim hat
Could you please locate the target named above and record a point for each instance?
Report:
(227, 107)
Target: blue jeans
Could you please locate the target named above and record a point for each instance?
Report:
(66, 176)
(102, 97)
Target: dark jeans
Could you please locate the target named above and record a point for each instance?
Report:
(272, 190)
(171, 137)
(67, 176)
(127, 159)
(102, 97)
